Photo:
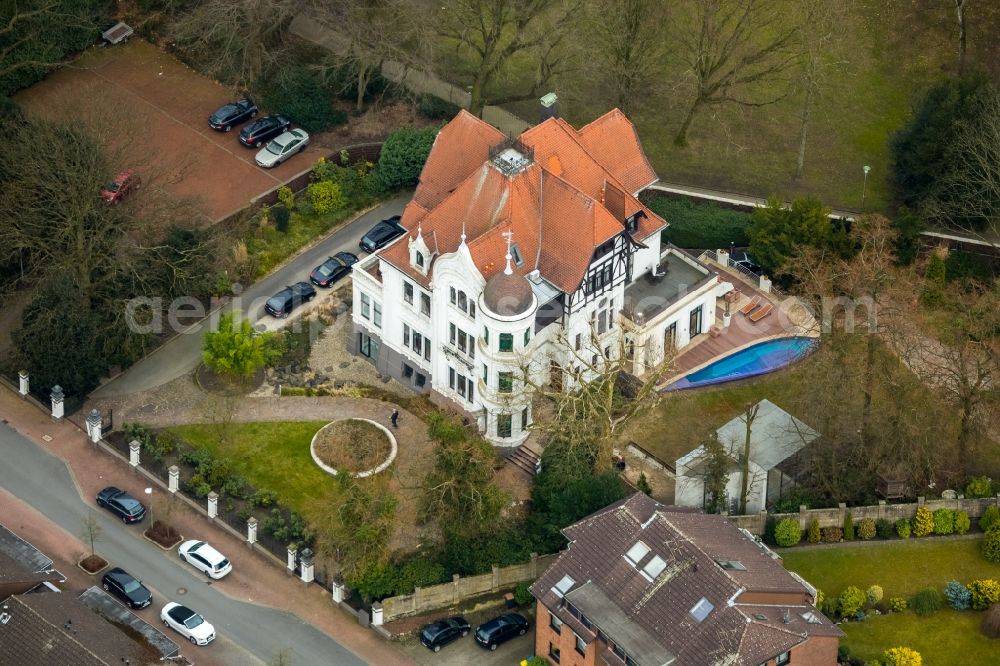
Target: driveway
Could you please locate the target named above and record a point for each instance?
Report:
(42, 481)
(465, 651)
(183, 353)
(160, 110)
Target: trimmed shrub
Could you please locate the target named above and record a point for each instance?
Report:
(990, 517)
(874, 594)
(979, 486)
(902, 656)
(281, 217)
(701, 226)
(286, 197)
(903, 528)
(962, 522)
(991, 544)
(944, 521)
(820, 598)
(769, 526)
(326, 197)
(958, 595)
(814, 534)
(787, 532)
(848, 527)
(866, 529)
(927, 601)
(884, 528)
(522, 595)
(851, 600)
(831, 534)
(897, 604)
(923, 522)
(419, 572)
(991, 622)
(984, 593)
(403, 156)
(830, 607)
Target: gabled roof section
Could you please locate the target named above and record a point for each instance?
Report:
(554, 201)
(459, 149)
(774, 434)
(675, 599)
(613, 140)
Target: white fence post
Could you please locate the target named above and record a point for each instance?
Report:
(23, 383)
(213, 505)
(306, 566)
(93, 422)
(133, 453)
(377, 614)
(292, 551)
(251, 531)
(58, 408)
(174, 478)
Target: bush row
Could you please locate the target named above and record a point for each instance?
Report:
(856, 604)
(787, 532)
(700, 226)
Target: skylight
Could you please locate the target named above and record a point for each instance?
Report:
(701, 609)
(811, 618)
(515, 253)
(731, 565)
(654, 567)
(636, 553)
(563, 586)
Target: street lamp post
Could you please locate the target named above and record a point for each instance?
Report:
(864, 188)
(149, 493)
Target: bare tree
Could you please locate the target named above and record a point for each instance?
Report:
(236, 40)
(19, 29)
(371, 32)
(735, 51)
(630, 49)
(91, 531)
(748, 478)
(498, 33)
(960, 16)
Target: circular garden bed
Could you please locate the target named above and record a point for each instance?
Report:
(353, 446)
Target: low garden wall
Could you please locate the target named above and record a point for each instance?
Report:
(834, 517)
(433, 597)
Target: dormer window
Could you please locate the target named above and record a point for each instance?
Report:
(515, 253)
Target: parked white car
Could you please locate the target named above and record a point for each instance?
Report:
(204, 558)
(282, 147)
(187, 623)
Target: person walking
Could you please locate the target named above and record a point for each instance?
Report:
(395, 418)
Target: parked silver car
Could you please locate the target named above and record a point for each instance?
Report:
(282, 147)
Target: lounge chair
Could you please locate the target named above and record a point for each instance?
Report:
(761, 312)
(750, 305)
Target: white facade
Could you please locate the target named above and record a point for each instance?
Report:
(477, 359)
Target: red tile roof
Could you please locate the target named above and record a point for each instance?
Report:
(556, 202)
(614, 137)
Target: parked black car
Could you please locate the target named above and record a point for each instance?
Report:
(438, 634)
(745, 261)
(382, 234)
(231, 114)
(263, 130)
(131, 592)
(332, 269)
(281, 304)
(501, 629)
(120, 503)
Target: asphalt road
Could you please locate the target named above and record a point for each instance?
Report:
(42, 481)
(183, 353)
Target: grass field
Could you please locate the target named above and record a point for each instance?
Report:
(902, 567)
(274, 456)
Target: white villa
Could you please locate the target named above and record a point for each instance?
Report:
(775, 436)
(527, 258)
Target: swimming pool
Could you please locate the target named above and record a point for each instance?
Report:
(757, 359)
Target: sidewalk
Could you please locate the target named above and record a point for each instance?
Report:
(255, 580)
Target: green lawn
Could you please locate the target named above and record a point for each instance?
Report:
(945, 637)
(902, 567)
(273, 456)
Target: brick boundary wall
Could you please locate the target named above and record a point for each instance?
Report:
(834, 517)
(434, 597)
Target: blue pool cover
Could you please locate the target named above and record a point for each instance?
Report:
(757, 359)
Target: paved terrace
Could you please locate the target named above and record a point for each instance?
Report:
(650, 295)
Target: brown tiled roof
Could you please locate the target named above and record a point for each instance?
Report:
(690, 544)
(12, 571)
(556, 202)
(53, 628)
(613, 137)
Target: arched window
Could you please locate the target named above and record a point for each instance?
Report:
(420, 260)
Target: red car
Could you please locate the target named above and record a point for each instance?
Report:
(121, 186)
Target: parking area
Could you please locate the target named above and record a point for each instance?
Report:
(465, 651)
(157, 109)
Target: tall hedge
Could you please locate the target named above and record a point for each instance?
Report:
(403, 156)
(701, 226)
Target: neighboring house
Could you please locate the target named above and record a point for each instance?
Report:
(22, 566)
(775, 437)
(642, 584)
(47, 628)
(524, 261)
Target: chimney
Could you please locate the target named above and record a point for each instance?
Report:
(548, 107)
